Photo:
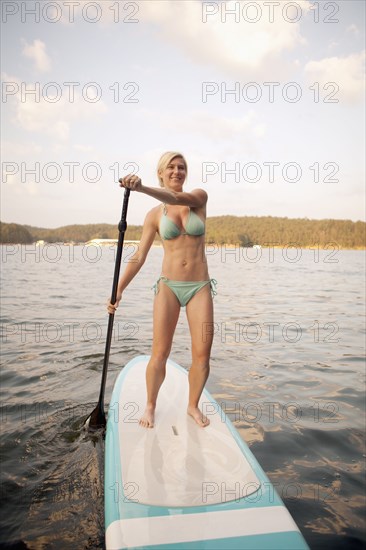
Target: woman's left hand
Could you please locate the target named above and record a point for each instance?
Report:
(132, 182)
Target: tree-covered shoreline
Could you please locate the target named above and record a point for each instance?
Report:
(221, 230)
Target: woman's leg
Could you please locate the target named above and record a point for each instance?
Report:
(166, 313)
(199, 312)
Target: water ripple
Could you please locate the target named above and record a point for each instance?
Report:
(287, 367)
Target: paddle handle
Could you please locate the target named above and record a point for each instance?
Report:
(122, 226)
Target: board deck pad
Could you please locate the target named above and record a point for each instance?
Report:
(178, 486)
(178, 463)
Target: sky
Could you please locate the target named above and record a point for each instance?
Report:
(264, 98)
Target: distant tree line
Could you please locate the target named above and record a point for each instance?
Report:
(14, 233)
(266, 230)
(243, 231)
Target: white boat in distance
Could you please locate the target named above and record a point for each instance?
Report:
(107, 242)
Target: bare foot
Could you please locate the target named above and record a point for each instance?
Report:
(147, 420)
(196, 414)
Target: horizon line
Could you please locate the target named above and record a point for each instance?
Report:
(209, 217)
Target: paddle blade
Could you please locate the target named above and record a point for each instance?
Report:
(96, 421)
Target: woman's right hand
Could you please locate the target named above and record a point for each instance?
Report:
(132, 182)
(112, 308)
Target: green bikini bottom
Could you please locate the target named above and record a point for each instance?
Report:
(185, 290)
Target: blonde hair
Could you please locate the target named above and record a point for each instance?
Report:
(165, 160)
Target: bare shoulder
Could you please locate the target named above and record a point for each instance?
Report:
(201, 194)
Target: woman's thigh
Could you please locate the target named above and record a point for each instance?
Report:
(200, 317)
(165, 318)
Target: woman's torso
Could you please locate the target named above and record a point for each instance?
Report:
(183, 238)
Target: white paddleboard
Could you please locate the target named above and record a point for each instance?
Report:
(179, 485)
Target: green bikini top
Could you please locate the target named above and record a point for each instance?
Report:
(169, 230)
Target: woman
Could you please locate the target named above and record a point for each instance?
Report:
(180, 222)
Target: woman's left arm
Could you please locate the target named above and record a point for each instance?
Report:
(195, 199)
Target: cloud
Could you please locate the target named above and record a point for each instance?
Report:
(12, 149)
(55, 119)
(209, 125)
(83, 148)
(347, 72)
(45, 118)
(219, 128)
(37, 52)
(229, 44)
(34, 112)
(353, 29)
(229, 135)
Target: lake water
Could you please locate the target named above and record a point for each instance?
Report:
(287, 367)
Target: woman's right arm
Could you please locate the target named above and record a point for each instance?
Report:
(194, 199)
(138, 259)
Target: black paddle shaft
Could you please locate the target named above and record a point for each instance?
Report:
(97, 418)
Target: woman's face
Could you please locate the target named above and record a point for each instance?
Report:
(174, 174)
